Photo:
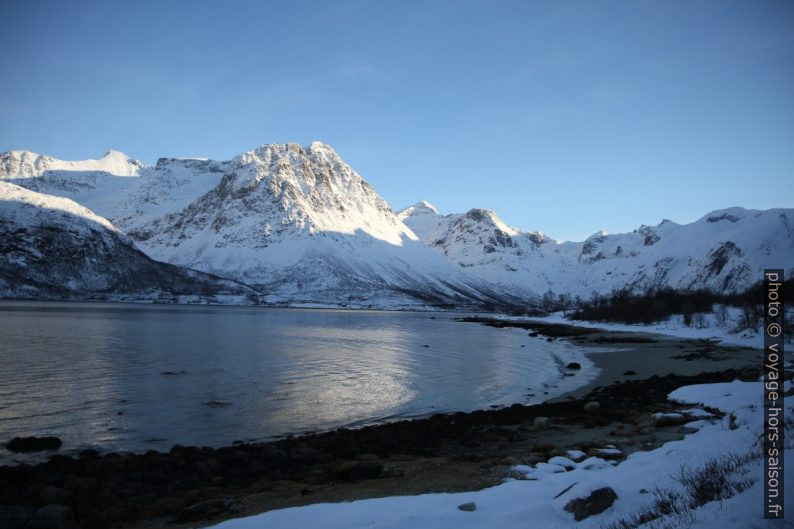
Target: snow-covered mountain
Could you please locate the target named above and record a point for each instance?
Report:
(51, 247)
(726, 251)
(26, 164)
(296, 222)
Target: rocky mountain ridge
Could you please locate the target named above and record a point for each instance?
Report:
(725, 250)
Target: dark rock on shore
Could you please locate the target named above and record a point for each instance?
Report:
(358, 470)
(574, 365)
(670, 419)
(15, 516)
(51, 495)
(209, 509)
(53, 517)
(598, 501)
(33, 444)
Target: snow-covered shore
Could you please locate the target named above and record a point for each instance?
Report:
(539, 500)
(706, 328)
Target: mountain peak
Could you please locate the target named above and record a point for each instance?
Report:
(600, 234)
(320, 146)
(732, 214)
(424, 204)
(314, 148)
(489, 218)
(114, 154)
(19, 153)
(422, 207)
(480, 214)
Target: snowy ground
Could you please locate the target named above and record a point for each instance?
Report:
(706, 327)
(539, 499)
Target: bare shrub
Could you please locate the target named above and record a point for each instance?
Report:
(718, 479)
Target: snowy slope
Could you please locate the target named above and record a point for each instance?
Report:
(725, 250)
(51, 247)
(295, 221)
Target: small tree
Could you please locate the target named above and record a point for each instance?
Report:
(687, 309)
(721, 315)
(548, 301)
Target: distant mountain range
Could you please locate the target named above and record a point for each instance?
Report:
(725, 251)
(291, 224)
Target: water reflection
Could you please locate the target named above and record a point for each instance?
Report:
(138, 377)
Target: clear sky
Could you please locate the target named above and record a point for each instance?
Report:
(562, 116)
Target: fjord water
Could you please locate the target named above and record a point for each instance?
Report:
(139, 377)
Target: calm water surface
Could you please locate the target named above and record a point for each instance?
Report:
(139, 377)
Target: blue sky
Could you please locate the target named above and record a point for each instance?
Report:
(562, 116)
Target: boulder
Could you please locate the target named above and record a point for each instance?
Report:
(209, 509)
(358, 470)
(81, 485)
(468, 507)
(597, 502)
(53, 517)
(541, 423)
(15, 516)
(33, 444)
(669, 419)
(566, 463)
(52, 495)
(610, 452)
(593, 405)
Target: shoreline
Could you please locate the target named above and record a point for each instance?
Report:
(440, 453)
(659, 356)
(615, 353)
(421, 309)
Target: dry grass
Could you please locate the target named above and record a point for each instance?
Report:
(719, 479)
